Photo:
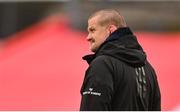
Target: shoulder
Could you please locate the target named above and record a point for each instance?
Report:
(107, 61)
(100, 59)
(104, 59)
(101, 66)
(105, 64)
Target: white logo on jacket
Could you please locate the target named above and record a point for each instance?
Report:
(90, 92)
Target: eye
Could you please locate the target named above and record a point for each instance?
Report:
(92, 30)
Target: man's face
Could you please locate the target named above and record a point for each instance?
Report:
(97, 33)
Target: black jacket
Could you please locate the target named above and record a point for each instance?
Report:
(119, 76)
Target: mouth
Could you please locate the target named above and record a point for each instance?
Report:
(92, 43)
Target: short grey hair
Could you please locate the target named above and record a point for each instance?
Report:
(109, 16)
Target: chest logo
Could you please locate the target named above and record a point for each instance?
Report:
(91, 92)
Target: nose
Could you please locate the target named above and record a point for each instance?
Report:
(88, 38)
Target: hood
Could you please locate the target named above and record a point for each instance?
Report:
(122, 45)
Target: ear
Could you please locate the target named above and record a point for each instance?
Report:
(112, 28)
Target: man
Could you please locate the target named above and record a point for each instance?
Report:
(119, 76)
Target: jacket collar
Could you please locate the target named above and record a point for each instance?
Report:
(120, 32)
